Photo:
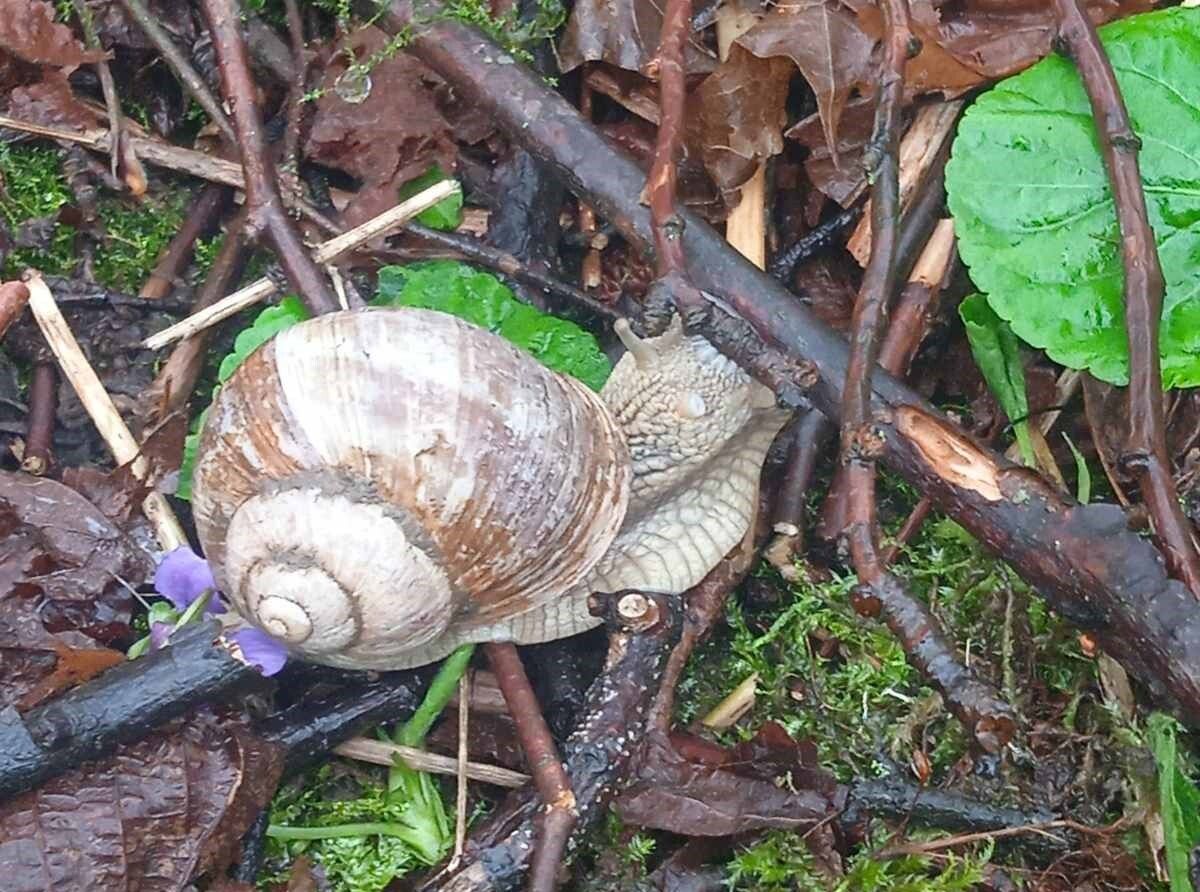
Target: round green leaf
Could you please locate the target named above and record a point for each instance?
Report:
(1034, 213)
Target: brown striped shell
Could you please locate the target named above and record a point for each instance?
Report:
(375, 486)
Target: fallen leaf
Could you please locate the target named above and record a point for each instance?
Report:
(842, 179)
(61, 552)
(729, 796)
(393, 135)
(28, 31)
(146, 819)
(624, 33)
(51, 101)
(964, 44)
(825, 41)
(739, 116)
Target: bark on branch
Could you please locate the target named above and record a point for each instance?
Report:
(1146, 447)
(1083, 559)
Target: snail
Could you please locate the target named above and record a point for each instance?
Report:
(376, 487)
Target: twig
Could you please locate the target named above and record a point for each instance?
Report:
(163, 154)
(99, 406)
(202, 218)
(13, 298)
(382, 752)
(135, 175)
(39, 430)
(125, 703)
(178, 62)
(809, 245)
(460, 798)
(987, 717)
(295, 100)
(264, 203)
(549, 776)
(1146, 447)
(919, 151)
(172, 386)
(323, 253)
(809, 435)
(660, 182)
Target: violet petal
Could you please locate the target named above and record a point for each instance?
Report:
(160, 634)
(182, 577)
(260, 649)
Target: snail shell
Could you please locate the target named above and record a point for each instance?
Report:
(374, 487)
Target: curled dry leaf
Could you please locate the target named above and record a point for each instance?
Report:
(58, 550)
(624, 33)
(146, 819)
(824, 40)
(51, 101)
(964, 44)
(841, 177)
(740, 116)
(28, 31)
(393, 135)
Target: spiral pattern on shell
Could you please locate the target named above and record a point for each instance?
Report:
(374, 487)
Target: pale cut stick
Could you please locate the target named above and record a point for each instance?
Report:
(379, 752)
(918, 150)
(746, 225)
(161, 154)
(323, 253)
(99, 406)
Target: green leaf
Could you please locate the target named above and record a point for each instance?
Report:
(998, 355)
(481, 298)
(447, 213)
(1035, 216)
(1179, 801)
(1083, 476)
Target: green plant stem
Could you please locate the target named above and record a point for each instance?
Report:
(441, 690)
(339, 830)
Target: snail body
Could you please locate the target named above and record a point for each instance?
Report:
(376, 487)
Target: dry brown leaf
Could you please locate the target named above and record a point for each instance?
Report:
(29, 32)
(394, 135)
(51, 101)
(146, 819)
(827, 44)
(624, 33)
(739, 116)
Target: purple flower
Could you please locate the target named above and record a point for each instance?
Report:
(183, 576)
(260, 649)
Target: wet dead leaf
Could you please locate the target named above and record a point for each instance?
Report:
(824, 40)
(624, 33)
(51, 101)
(29, 32)
(146, 819)
(60, 552)
(393, 135)
(739, 117)
(695, 794)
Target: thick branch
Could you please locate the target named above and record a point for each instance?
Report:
(1084, 560)
(267, 212)
(1146, 447)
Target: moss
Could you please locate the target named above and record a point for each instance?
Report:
(135, 233)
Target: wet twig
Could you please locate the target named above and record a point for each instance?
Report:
(14, 297)
(202, 218)
(39, 425)
(811, 244)
(1146, 450)
(265, 205)
(188, 77)
(558, 814)
(988, 717)
(172, 386)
